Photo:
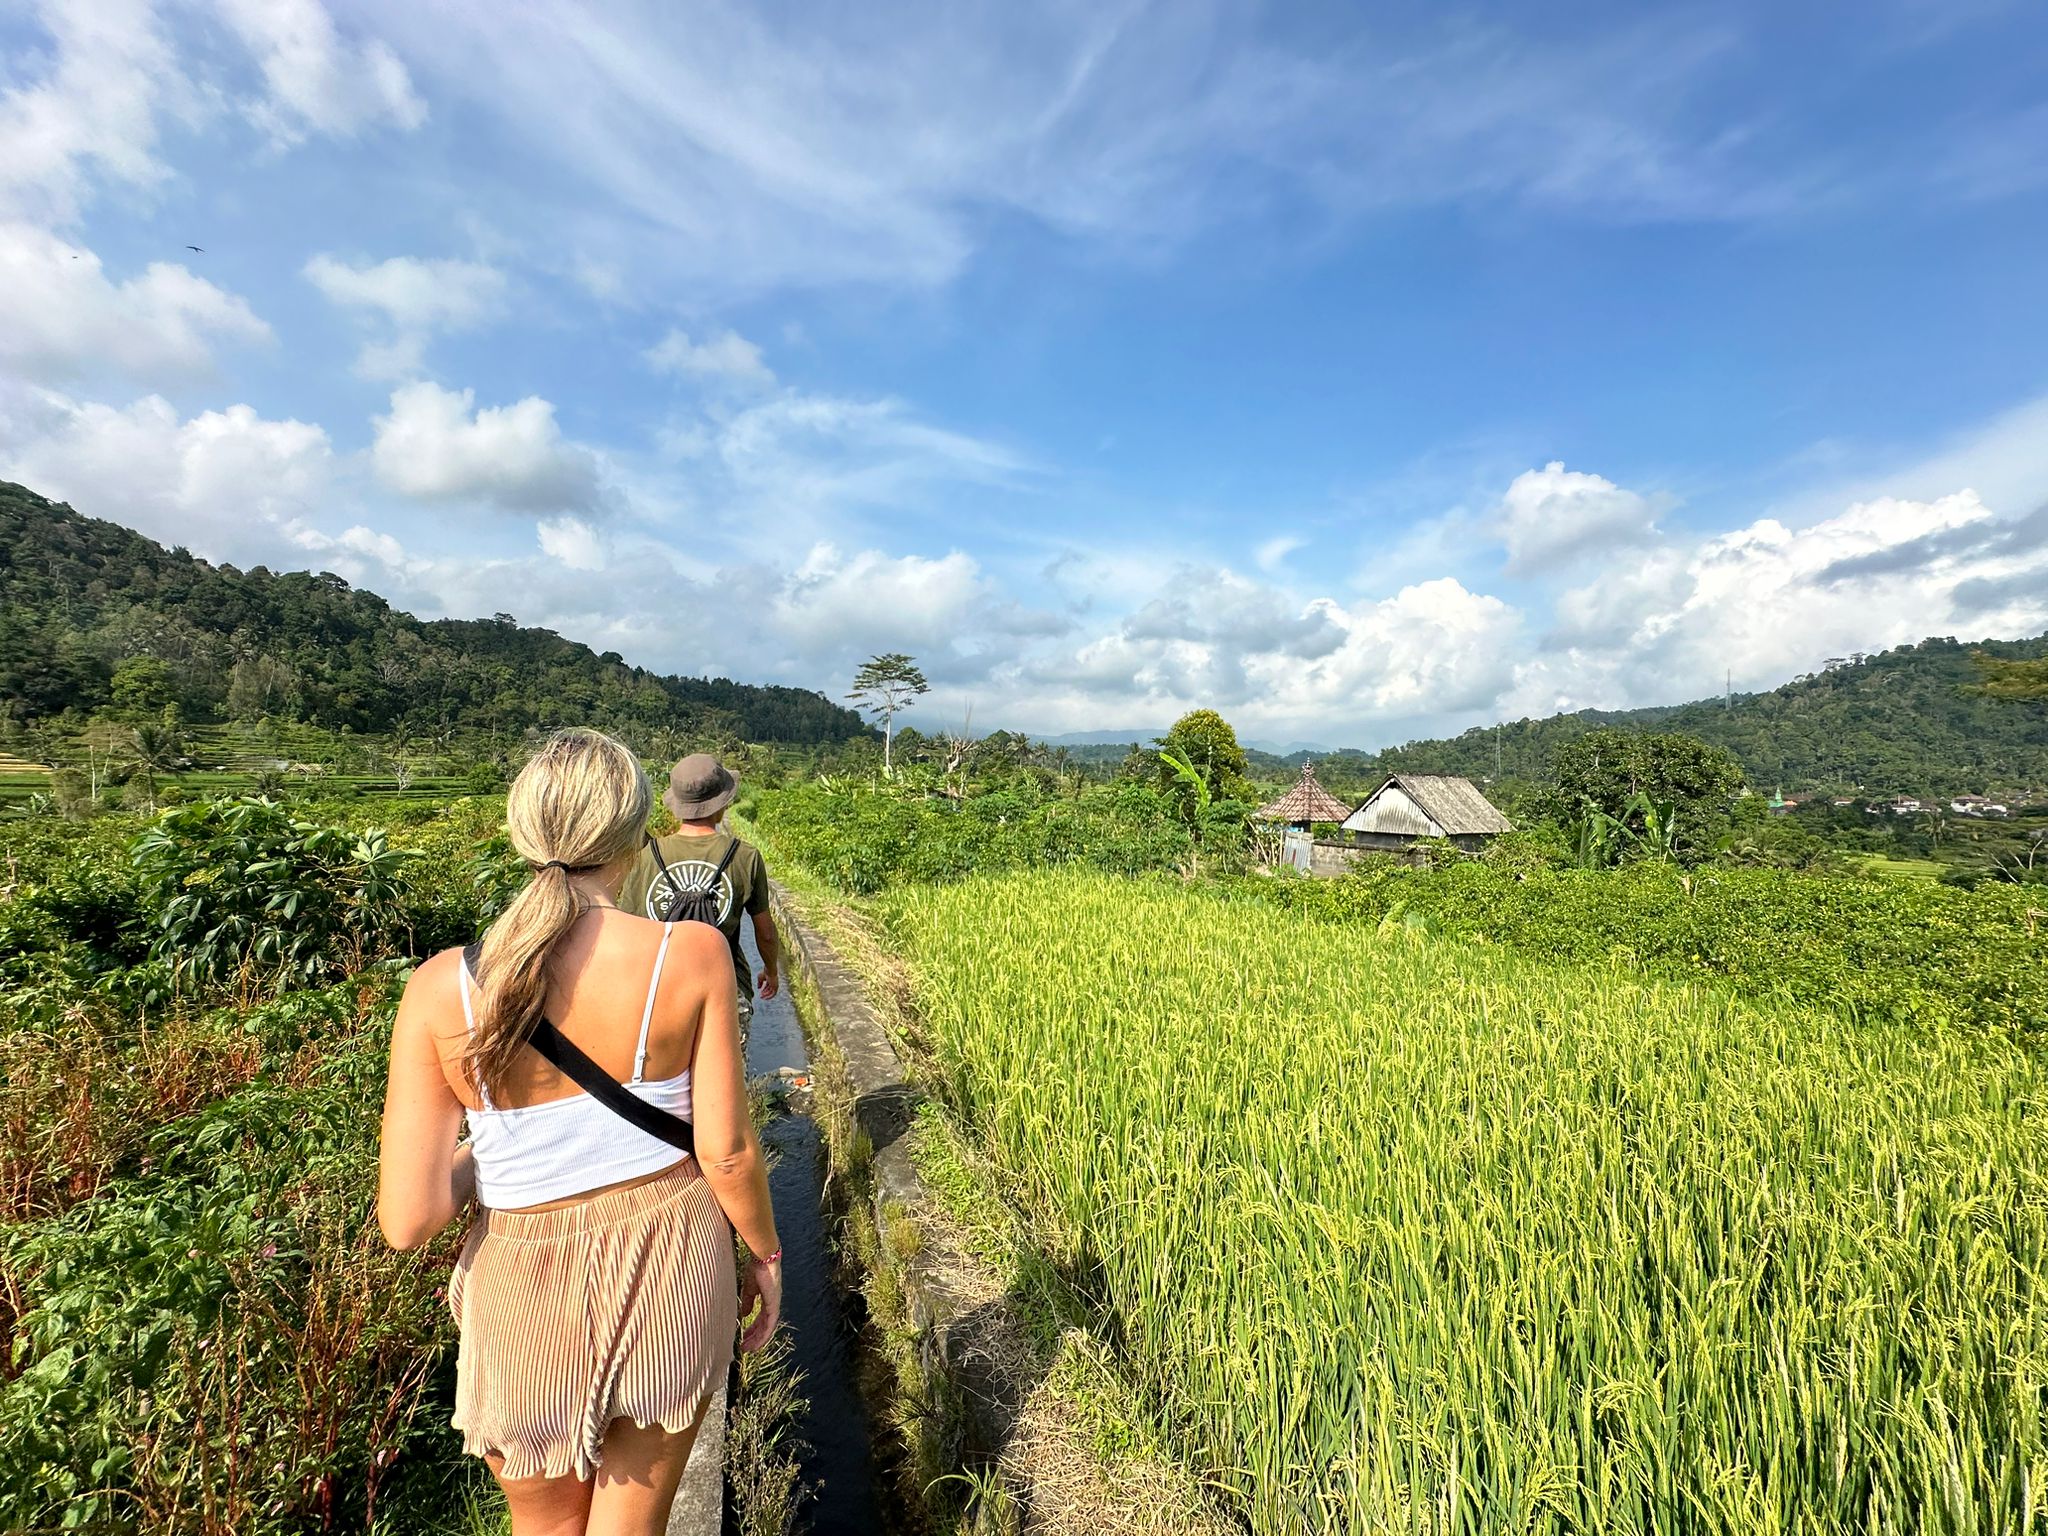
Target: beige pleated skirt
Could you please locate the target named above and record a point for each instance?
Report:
(622, 1307)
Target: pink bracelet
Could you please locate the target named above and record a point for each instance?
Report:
(773, 1258)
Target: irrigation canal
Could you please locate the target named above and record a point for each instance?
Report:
(837, 1456)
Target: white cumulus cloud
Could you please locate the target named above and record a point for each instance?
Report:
(573, 542)
(222, 483)
(413, 298)
(1552, 516)
(93, 113)
(1673, 621)
(435, 445)
(62, 318)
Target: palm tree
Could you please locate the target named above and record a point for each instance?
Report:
(157, 749)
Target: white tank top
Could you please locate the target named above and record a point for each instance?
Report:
(568, 1146)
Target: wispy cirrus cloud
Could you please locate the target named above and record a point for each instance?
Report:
(754, 151)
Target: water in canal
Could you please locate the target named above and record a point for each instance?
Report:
(837, 1459)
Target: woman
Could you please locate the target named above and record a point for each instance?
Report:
(595, 1295)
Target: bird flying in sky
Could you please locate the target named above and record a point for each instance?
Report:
(198, 248)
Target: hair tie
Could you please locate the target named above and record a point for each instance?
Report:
(551, 864)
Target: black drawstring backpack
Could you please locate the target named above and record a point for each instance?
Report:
(696, 904)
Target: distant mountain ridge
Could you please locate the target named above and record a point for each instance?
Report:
(92, 613)
(1899, 722)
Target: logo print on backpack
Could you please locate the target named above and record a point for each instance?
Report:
(690, 892)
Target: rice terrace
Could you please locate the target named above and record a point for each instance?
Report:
(1037, 771)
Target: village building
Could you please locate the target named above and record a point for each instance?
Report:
(1306, 804)
(1412, 806)
(1977, 805)
(1303, 808)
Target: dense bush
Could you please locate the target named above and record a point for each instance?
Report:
(865, 837)
(218, 1340)
(243, 890)
(205, 1331)
(1908, 951)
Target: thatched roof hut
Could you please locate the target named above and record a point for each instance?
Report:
(1415, 805)
(1306, 803)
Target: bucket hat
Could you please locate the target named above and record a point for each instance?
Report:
(699, 787)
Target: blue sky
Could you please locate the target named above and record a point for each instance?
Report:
(1361, 373)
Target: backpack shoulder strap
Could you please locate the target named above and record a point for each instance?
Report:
(568, 1058)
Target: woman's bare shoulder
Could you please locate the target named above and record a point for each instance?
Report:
(431, 999)
(699, 939)
(435, 970)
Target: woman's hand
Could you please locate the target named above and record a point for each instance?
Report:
(761, 1283)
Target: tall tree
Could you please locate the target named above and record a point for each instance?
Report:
(1204, 741)
(1618, 774)
(158, 749)
(884, 685)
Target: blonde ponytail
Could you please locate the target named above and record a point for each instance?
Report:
(579, 804)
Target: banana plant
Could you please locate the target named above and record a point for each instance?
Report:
(1600, 840)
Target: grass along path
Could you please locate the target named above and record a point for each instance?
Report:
(1421, 1236)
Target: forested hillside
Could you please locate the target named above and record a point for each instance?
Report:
(93, 614)
(1905, 721)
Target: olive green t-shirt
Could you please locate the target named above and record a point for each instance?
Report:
(692, 861)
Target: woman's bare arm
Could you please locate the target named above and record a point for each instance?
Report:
(728, 1151)
(423, 1179)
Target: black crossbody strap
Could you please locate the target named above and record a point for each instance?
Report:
(569, 1059)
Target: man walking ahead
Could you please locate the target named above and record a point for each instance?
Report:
(699, 871)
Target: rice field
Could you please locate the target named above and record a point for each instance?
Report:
(1407, 1235)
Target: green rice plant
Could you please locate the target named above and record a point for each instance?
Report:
(1400, 1233)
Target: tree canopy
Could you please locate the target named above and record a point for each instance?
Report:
(2010, 679)
(94, 616)
(883, 686)
(1205, 741)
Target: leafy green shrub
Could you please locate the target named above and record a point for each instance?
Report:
(243, 891)
(220, 1341)
(205, 1331)
(864, 838)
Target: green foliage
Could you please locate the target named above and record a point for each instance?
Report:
(142, 683)
(1403, 1235)
(218, 1339)
(1644, 829)
(1203, 744)
(864, 838)
(884, 687)
(1633, 795)
(92, 614)
(244, 891)
(205, 1330)
(1905, 952)
(2010, 679)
